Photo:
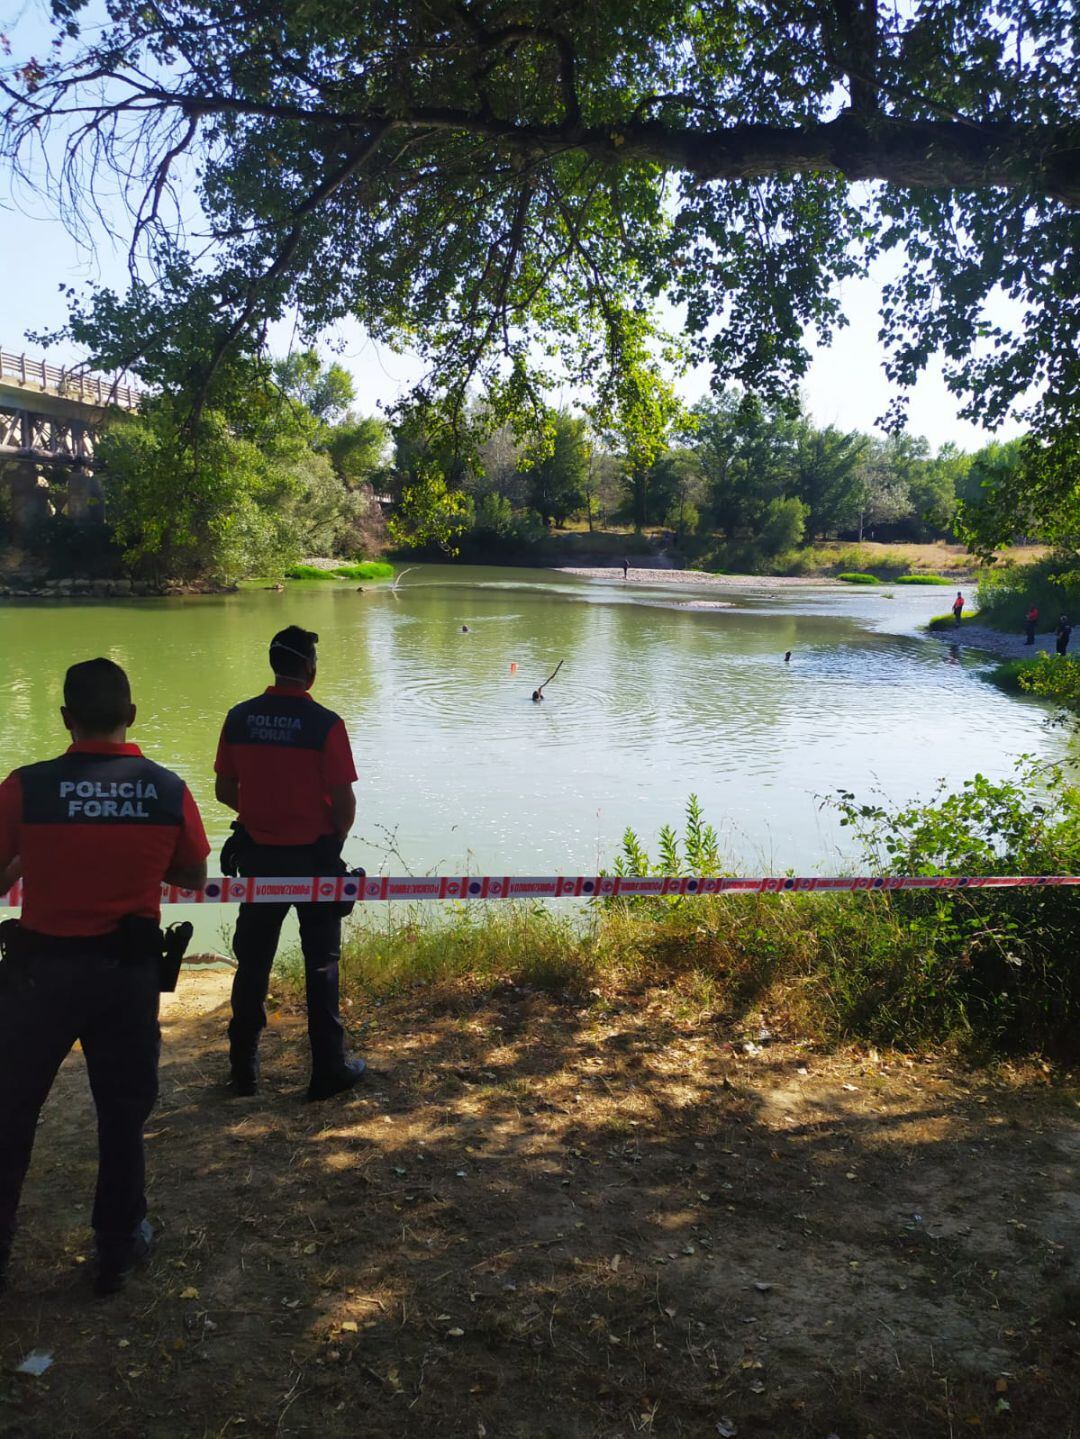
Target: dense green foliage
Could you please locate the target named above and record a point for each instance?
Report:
(510, 187)
(246, 486)
(739, 483)
(1007, 592)
(999, 963)
(921, 580)
(853, 577)
(989, 970)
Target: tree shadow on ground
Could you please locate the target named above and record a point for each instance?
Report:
(563, 1218)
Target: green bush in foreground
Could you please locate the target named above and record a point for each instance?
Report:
(921, 580)
(1010, 676)
(991, 970)
(853, 577)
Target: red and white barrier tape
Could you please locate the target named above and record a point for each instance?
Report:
(335, 888)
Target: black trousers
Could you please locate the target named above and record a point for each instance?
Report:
(255, 942)
(47, 1004)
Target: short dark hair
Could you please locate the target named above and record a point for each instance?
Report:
(289, 649)
(97, 695)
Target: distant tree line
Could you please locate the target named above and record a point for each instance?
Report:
(744, 478)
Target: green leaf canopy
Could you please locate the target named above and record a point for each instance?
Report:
(510, 185)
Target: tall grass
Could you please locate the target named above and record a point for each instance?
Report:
(948, 621)
(361, 570)
(992, 970)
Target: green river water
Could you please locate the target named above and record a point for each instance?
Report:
(657, 699)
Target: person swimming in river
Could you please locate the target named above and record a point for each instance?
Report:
(538, 692)
(787, 656)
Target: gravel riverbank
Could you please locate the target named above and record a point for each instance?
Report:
(701, 578)
(998, 642)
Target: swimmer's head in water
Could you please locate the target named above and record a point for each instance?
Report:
(787, 656)
(537, 696)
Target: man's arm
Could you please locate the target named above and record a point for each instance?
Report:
(188, 867)
(342, 809)
(339, 772)
(227, 792)
(10, 816)
(187, 876)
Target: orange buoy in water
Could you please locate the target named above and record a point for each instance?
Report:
(513, 668)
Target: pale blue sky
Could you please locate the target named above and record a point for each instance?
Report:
(846, 385)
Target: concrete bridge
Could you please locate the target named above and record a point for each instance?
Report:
(49, 422)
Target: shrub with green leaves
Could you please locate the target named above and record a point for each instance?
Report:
(1052, 584)
(921, 580)
(1004, 959)
(853, 577)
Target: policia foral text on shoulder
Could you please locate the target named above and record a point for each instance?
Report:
(285, 765)
(93, 833)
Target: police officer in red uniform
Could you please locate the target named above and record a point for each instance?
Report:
(285, 765)
(94, 833)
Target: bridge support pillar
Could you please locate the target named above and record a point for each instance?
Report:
(29, 489)
(85, 502)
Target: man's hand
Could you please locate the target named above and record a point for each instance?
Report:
(342, 809)
(194, 877)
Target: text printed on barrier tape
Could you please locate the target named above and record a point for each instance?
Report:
(336, 888)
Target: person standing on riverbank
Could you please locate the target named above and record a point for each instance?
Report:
(958, 608)
(1030, 621)
(626, 569)
(284, 764)
(1063, 634)
(93, 833)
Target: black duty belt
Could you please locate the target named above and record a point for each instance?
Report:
(32, 944)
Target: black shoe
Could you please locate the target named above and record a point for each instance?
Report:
(244, 1072)
(325, 1086)
(117, 1260)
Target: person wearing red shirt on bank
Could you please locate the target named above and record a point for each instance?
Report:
(93, 833)
(1030, 621)
(284, 764)
(958, 607)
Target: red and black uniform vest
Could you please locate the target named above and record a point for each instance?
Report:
(287, 752)
(95, 830)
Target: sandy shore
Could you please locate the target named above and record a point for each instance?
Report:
(692, 577)
(997, 642)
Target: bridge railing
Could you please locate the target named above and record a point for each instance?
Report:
(72, 385)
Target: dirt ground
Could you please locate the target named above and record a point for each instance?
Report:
(552, 1219)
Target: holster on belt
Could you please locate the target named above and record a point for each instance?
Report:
(135, 940)
(334, 864)
(142, 939)
(232, 851)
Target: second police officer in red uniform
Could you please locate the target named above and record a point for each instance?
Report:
(94, 833)
(285, 765)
